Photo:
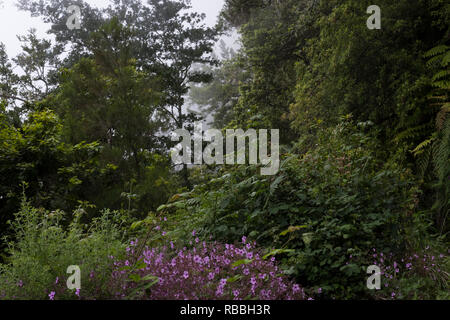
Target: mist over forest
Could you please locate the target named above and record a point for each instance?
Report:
(142, 157)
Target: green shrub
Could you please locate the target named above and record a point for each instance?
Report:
(43, 249)
(418, 275)
(331, 202)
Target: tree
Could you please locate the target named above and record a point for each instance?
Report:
(218, 98)
(105, 98)
(36, 161)
(166, 41)
(272, 42)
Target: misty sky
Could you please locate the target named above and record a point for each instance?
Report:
(14, 22)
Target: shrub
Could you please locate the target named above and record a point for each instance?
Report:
(205, 271)
(43, 249)
(422, 275)
(325, 204)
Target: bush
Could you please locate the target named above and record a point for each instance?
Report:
(43, 249)
(422, 275)
(333, 201)
(205, 271)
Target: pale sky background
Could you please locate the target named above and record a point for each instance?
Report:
(14, 22)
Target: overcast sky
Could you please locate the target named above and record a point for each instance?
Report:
(14, 22)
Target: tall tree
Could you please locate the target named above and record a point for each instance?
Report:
(218, 98)
(167, 40)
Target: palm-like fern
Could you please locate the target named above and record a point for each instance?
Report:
(436, 149)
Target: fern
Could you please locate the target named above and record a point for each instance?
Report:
(437, 147)
(423, 146)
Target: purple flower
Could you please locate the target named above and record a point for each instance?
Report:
(52, 295)
(191, 273)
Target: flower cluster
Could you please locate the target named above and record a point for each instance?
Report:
(395, 271)
(205, 271)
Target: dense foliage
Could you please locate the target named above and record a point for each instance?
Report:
(86, 176)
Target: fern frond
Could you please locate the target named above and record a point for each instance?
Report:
(442, 115)
(441, 75)
(446, 60)
(424, 161)
(412, 133)
(441, 152)
(443, 84)
(422, 146)
(436, 51)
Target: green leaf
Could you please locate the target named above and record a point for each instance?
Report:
(134, 277)
(277, 251)
(241, 262)
(292, 229)
(161, 207)
(234, 279)
(136, 224)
